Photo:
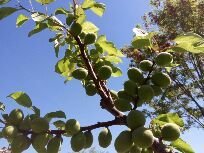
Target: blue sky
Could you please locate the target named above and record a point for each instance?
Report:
(27, 64)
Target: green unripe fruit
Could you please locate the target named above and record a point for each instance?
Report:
(135, 119)
(123, 105)
(20, 143)
(89, 139)
(75, 29)
(105, 138)
(39, 125)
(9, 132)
(135, 75)
(157, 90)
(90, 38)
(72, 127)
(135, 149)
(170, 132)
(161, 79)
(91, 89)
(145, 65)
(80, 73)
(122, 94)
(25, 124)
(130, 87)
(40, 141)
(123, 142)
(163, 59)
(16, 116)
(105, 72)
(53, 145)
(142, 137)
(146, 93)
(78, 142)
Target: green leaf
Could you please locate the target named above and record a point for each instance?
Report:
(64, 67)
(81, 16)
(54, 24)
(88, 4)
(45, 1)
(182, 146)
(21, 20)
(57, 114)
(2, 2)
(141, 42)
(116, 72)
(35, 110)
(98, 8)
(188, 42)
(168, 118)
(89, 27)
(21, 98)
(6, 11)
(2, 106)
(38, 28)
(38, 17)
(107, 46)
(61, 11)
(60, 125)
(113, 59)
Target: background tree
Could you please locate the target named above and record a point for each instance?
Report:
(185, 96)
(92, 60)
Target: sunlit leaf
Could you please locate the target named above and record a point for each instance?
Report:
(21, 20)
(116, 72)
(89, 27)
(21, 98)
(88, 4)
(6, 11)
(38, 17)
(168, 118)
(182, 146)
(64, 67)
(81, 16)
(98, 8)
(61, 11)
(141, 42)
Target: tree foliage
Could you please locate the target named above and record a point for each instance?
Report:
(185, 95)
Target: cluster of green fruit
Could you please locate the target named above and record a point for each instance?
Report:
(139, 89)
(76, 30)
(140, 139)
(103, 73)
(17, 128)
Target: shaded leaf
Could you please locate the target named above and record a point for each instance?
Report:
(116, 72)
(45, 1)
(21, 98)
(38, 28)
(2, 106)
(4, 2)
(98, 8)
(57, 114)
(59, 124)
(182, 146)
(21, 20)
(35, 110)
(6, 11)
(61, 11)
